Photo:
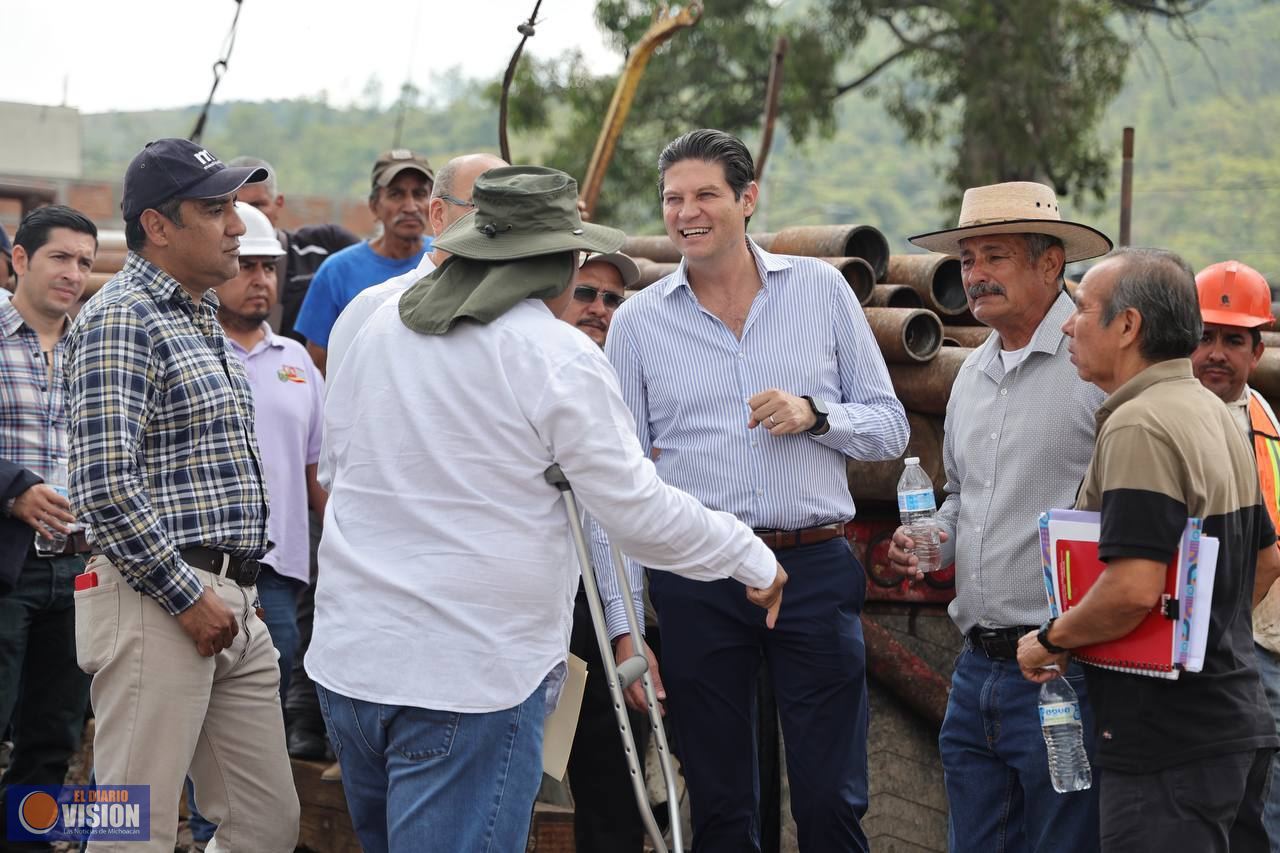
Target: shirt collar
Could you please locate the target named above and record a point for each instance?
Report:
(1172, 370)
(165, 287)
(1047, 337)
(270, 340)
(766, 263)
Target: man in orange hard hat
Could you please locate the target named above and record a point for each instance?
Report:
(1235, 303)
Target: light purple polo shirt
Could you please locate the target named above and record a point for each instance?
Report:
(288, 397)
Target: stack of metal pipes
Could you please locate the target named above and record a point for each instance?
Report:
(916, 308)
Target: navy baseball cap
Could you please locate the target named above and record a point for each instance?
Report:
(178, 168)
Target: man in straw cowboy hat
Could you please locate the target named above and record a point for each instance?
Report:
(447, 578)
(1018, 435)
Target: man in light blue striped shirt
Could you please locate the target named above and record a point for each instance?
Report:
(753, 376)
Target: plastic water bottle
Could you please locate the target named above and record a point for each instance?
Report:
(917, 509)
(53, 544)
(1064, 737)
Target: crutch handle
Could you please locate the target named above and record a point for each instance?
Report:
(631, 670)
(556, 477)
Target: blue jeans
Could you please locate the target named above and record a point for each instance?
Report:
(997, 770)
(278, 598)
(418, 780)
(43, 692)
(1269, 670)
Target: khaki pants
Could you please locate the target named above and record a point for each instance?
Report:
(163, 711)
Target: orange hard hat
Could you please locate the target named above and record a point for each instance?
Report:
(1233, 294)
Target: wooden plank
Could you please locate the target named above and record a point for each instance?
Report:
(325, 826)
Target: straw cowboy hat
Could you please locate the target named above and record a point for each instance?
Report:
(1016, 207)
(519, 243)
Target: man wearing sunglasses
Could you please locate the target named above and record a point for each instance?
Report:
(598, 290)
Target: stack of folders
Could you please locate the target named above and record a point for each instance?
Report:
(1171, 638)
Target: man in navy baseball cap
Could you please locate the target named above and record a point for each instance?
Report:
(178, 169)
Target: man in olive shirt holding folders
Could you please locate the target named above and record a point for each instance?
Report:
(1184, 762)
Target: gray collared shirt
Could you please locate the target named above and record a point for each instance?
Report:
(1016, 444)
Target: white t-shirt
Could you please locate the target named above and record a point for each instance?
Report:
(447, 573)
(1013, 357)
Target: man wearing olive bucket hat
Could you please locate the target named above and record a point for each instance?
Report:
(447, 578)
(1018, 437)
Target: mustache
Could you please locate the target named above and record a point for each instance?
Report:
(409, 217)
(985, 289)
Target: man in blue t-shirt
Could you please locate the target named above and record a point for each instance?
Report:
(402, 182)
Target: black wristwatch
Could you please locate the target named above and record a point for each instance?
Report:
(820, 412)
(1043, 636)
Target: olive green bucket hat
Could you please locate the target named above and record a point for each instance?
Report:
(518, 244)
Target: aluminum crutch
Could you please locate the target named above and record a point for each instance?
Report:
(622, 676)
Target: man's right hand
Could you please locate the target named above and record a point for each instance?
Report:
(41, 507)
(901, 560)
(770, 599)
(210, 623)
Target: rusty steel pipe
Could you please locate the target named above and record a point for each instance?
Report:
(656, 248)
(936, 277)
(859, 275)
(835, 241)
(907, 335)
(1265, 378)
(651, 271)
(878, 481)
(904, 674)
(965, 336)
(927, 387)
(894, 296)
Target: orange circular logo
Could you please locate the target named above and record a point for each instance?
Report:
(38, 812)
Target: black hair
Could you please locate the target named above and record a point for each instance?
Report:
(135, 236)
(710, 146)
(34, 230)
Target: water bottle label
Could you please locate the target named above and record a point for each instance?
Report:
(1059, 713)
(917, 501)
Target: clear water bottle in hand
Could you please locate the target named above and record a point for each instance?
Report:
(54, 543)
(918, 509)
(1064, 737)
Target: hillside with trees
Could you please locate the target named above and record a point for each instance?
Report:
(1207, 178)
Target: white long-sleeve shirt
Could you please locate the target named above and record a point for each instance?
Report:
(447, 572)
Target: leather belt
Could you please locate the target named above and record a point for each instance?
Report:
(998, 643)
(242, 570)
(778, 539)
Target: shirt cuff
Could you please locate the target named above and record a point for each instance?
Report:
(615, 617)
(838, 426)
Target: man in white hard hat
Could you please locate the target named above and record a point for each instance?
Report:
(288, 394)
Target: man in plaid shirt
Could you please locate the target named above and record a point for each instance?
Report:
(166, 471)
(42, 691)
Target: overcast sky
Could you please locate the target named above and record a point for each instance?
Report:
(148, 54)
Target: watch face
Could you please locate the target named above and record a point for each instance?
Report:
(819, 406)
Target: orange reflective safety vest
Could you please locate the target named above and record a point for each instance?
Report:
(1266, 449)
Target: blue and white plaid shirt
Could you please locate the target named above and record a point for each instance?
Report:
(163, 454)
(33, 412)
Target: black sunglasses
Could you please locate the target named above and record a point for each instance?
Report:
(584, 293)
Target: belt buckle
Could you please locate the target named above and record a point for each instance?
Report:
(249, 571)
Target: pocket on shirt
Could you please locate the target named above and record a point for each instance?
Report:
(97, 625)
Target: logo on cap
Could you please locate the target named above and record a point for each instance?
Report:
(205, 159)
(1226, 300)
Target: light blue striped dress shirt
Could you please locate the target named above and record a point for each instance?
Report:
(687, 379)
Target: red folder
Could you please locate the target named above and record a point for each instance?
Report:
(1148, 649)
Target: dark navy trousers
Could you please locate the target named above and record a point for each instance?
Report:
(713, 643)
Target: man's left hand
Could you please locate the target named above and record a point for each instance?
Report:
(1033, 657)
(780, 412)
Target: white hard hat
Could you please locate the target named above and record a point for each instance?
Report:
(259, 239)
